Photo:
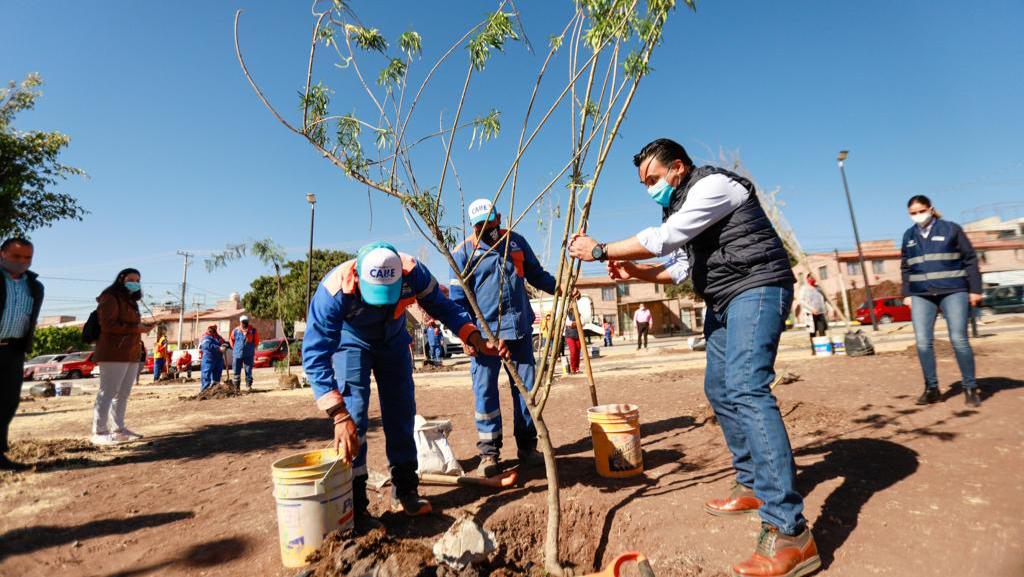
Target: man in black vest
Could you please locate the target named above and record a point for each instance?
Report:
(714, 231)
(21, 296)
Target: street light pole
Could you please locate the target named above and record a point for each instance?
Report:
(856, 236)
(311, 199)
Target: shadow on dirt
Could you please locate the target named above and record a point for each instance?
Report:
(987, 387)
(30, 539)
(211, 554)
(867, 467)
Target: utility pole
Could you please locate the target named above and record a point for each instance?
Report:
(311, 199)
(856, 237)
(184, 281)
(842, 287)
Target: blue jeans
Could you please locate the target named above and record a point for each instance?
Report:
(436, 353)
(392, 369)
(955, 307)
(485, 371)
(238, 363)
(742, 342)
(158, 369)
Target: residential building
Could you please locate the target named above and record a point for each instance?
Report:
(1000, 248)
(225, 315)
(616, 301)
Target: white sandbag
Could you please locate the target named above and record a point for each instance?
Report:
(433, 452)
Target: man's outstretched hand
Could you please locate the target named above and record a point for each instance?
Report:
(582, 246)
(621, 269)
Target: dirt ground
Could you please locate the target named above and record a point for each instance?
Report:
(891, 488)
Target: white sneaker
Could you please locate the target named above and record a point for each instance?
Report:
(103, 440)
(125, 436)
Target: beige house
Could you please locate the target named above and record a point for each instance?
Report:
(615, 302)
(225, 315)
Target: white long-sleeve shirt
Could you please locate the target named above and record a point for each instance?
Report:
(709, 201)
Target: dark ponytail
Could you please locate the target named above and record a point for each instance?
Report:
(923, 200)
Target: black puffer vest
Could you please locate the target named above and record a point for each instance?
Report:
(740, 252)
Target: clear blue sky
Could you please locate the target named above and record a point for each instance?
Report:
(181, 155)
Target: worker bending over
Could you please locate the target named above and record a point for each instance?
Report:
(357, 316)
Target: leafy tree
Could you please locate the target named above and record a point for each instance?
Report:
(29, 167)
(261, 300)
(55, 340)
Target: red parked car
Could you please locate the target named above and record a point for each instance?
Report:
(72, 366)
(887, 310)
(29, 373)
(270, 352)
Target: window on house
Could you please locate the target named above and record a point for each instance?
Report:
(623, 289)
(822, 273)
(878, 266)
(607, 293)
(982, 258)
(853, 268)
(657, 288)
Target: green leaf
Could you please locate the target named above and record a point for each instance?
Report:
(410, 43)
(392, 74)
(486, 127)
(496, 32)
(369, 39)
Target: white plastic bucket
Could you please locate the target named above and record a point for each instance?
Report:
(838, 346)
(314, 497)
(822, 346)
(62, 389)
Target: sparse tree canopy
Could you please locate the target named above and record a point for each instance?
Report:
(29, 167)
(261, 298)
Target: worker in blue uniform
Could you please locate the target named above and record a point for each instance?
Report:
(499, 283)
(244, 340)
(355, 325)
(434, 340)
(212, 363)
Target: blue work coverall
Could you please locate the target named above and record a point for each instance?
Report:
(346, 339)
(500, 286)
(243, 352)
(434, 344)
(212, 364)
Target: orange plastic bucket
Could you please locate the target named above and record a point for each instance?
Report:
(615, 430)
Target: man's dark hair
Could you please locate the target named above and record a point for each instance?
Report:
(665, 151)
(15, 240)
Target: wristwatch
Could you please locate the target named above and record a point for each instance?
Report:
(600, 252)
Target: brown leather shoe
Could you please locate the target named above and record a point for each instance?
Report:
(740, 501)
(780, 555)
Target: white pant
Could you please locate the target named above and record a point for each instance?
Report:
(116, 380)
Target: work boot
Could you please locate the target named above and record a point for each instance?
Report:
(780, 555)
(488, 466)
(364, 522)
(972, 398)
(740, 501)
(930, 395)
(530, 458)
(410, 503)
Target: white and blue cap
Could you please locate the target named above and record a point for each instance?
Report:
(380, 273)
(479, 211)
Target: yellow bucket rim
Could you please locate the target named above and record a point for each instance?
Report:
(614, 410)
(311, 464)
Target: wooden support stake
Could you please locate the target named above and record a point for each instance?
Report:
(586, 353)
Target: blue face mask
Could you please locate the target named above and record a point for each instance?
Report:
(661, 192)
(133, 287)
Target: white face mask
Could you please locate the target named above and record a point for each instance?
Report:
(921, 218)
